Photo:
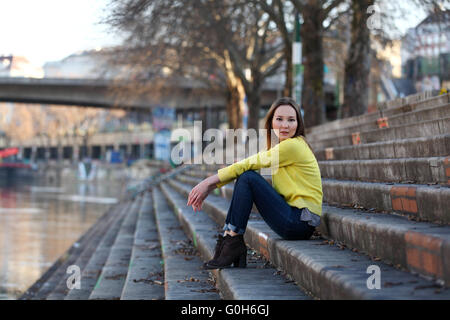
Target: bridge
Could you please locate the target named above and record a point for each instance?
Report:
(190, 98)
(103, 93)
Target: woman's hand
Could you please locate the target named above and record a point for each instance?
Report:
(201, 191)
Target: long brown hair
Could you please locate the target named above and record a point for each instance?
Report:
(269, 117)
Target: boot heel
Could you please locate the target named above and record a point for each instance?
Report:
(241, 261)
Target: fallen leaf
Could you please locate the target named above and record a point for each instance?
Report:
(391, 284)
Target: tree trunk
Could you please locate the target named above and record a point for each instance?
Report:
(357, 65)
(235, 99)
(287, 91)
(313, 98)
(233, 110)
(253, 102)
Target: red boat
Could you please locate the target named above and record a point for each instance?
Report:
(11, 166)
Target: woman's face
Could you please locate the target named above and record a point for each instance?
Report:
(284, 122)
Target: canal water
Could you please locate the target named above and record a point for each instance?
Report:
(39, 222)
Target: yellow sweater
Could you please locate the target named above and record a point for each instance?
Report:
(296, 177)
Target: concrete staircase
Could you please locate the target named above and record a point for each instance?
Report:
(386, 207)
(152, 247)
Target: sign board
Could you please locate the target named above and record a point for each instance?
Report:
(162, 118)
(162, 145)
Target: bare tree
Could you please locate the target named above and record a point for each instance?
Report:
(314, 14)
(227, 40)
(357, 64)
(16, 116)
(51, 123)
(281, 13)
(372, 20)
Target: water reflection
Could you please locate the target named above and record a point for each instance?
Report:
(38, 223)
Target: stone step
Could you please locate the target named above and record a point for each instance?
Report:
(256, 282)
(415, 130)
(428, 114)
(416, 170)
(426, 203)
(412, 102)
(53, 277)
(144, 279)
(91, 273)
(420, 202)
(436, 146)
(389, 112)
(433, 170)
(422, 147)
(183, 277)
(327, 271)
(415, 246)
(62, 288)
(112, 279)
(352, 227)
(50, 279)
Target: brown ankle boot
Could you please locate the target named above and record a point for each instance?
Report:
(218, 248)
(234, 251)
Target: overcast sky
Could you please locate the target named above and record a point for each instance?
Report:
(49, 30)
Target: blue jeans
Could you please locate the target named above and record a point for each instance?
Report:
(284, 219)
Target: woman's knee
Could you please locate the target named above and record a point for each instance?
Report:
(249, 174)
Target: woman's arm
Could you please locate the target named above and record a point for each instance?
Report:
(201, 191)
(283, 154)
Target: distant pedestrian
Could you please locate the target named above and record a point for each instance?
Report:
(291, 207)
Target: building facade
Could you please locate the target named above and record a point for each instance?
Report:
(425, 52)
(18, 66)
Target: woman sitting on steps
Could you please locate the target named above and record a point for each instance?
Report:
(291, 207)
